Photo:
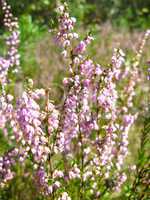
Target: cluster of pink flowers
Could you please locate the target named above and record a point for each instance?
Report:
(13, 40)
(87, 138)
(5, 163)
(29, 120)
(4, 66)
(8, 160)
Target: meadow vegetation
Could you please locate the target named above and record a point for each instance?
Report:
(85, 134)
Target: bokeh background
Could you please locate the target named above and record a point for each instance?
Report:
(113, 23)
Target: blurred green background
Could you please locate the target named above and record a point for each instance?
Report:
(113, 23)
(129, 13)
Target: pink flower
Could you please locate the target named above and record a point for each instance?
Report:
(80, 48)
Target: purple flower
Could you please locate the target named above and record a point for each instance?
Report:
(80, 48)
(29, 119)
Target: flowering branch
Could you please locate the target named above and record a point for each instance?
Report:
(85, 140)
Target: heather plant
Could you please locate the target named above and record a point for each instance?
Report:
(139, 189)
(78, 147)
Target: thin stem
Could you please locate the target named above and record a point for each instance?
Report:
(50, 154)
(81, 190)
(82, 166)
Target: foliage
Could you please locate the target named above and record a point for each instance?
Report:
(125, 13)
(74, 148)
